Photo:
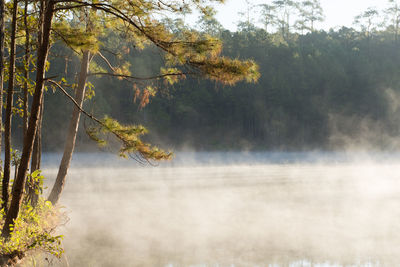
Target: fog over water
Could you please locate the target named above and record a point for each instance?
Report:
(233, 209)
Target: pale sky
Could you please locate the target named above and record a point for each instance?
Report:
(337, 12)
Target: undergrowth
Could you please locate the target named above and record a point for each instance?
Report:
(34, 231)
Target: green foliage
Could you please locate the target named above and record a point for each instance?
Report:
(34, 182)
(76, 37)
(96, 68)
(129, 136)
(172, 75)
(230, 71)
(15, 157)
(90, 92)
(33, 230)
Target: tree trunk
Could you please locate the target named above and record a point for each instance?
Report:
(32, 191)
(72, 131)
(26, 71)
(43, 50)
(7, 123)
(2, 31)
(26, 76)
(37, 147)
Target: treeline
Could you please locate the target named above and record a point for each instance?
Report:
(317, 87)
(318, 90)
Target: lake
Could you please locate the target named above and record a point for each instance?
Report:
(232, 209)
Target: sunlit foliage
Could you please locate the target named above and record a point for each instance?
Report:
(34, 230)
(129, 135)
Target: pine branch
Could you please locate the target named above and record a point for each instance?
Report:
(122, 133)
(142, 78)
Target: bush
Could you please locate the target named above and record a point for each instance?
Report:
(33, 232)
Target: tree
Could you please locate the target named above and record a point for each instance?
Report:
(26, 69)
(393, 14)
(268, 17)
(2, 34)
(75, 117)
(208, 24)
(10, 96)
(72, 130)
(187, 53)
(19, 183)
(247, 24)
(310, 11)
(170, 75)
(368, 21)
(284, 10)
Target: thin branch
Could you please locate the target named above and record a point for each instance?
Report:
(109, 51)
(28, 14)
(49, 78)
(106, 61)
(74, 101)
(70, 7)
(66, 41)
(91, 116)
(171, 7)
(138, 25)
(110, 9)
(142, 78)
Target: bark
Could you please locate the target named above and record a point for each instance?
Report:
(33, 195)
(37, 148)
(26, 76)
(43, 50)
(26, 71)
(41, 20)
(2, 30)
(8, 118)
(72, 131)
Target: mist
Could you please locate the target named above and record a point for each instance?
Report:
(335, 210)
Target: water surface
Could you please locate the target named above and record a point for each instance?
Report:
(251, 210)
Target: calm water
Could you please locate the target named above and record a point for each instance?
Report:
(231, 209)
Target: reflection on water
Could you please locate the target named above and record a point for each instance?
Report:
(265, 214)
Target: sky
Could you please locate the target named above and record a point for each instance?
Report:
(337, 12)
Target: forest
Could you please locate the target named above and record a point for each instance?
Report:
(314, 84)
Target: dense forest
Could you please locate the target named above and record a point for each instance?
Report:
(318, 89)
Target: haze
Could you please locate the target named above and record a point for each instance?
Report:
(337, 12)
(204, 212)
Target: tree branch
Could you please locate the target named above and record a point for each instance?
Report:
(141, 78)
(106, 61)
(65, 41)
(115, 133)
(118, 14)
(74, 102)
